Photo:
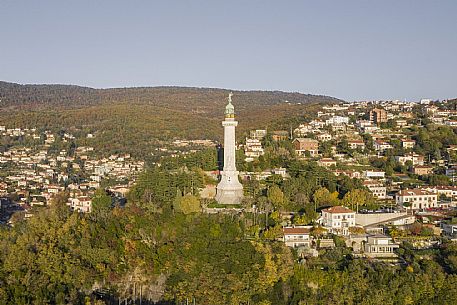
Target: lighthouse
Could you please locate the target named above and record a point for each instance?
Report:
(229, 190)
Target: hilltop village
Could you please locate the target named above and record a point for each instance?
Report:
(393, 165)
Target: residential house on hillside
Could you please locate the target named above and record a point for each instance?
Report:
(416, 199)
(81, 204)
(449, 229)
(303, 145)
(408, 144)
(349, 173)
(356, 144)
(422, 170)
(378, 116)
(401, 123)
(326, 162)
(298, 236)
(324, 137)
(414, 158)
(380, 246)
(448, 191)
(338, 219)
(337, 121)
(253, 149)
(374, 174)
(280, 135)
(376, 187)
(258, 134)
(381, 146)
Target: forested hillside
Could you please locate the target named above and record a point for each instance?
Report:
(134, 119)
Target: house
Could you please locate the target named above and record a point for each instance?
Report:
(369, 129)
(280, 135)
(416, 199)
(378, 116)
(297, 236)
(337, 121)
(303, 129)
(253, 149)
(414, 158)
(379, 246)
(258, 134)
(326, 162)
(324, 137)
(451, 172)
(448, 191)
(338, 219)
(376, 188)
(349, 173)
(280, 171)
(81, 204)
(356, 144)
(381, 145)
(408, 144)
(303, 145)
(401, 123)
(422, 170)
(449, 229)
(378, 174)
(54, 189)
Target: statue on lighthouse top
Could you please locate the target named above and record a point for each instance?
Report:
(229, 190)
(229, 109)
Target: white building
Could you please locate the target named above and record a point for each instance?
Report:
(258, 134)
(302, 130)
(448, 191)
(416, 199)
(81, 204)
(337, 120)
(355, 144)
(253, 149)
(297, 236)
(338, 219)
(408, 144)
(324, 137)
(449, 229)
(376, 188)
(414, 158)
(380, 246)
(377, 174)
(381, 145)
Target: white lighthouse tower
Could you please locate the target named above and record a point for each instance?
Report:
(229, 189)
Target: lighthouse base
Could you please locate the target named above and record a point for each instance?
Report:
(229, 196)
(229, 190)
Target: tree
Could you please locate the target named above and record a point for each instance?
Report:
(276, 197)
(188, 204)
(322, 196)
(101, 200)
(438, 180)
(357, 197)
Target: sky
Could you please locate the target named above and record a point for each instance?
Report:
(354, 50)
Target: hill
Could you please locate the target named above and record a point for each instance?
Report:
(140, 117)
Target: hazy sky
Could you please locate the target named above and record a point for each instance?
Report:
(348, 49)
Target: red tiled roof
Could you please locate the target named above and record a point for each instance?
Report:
(338, 209)
(298, 230)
